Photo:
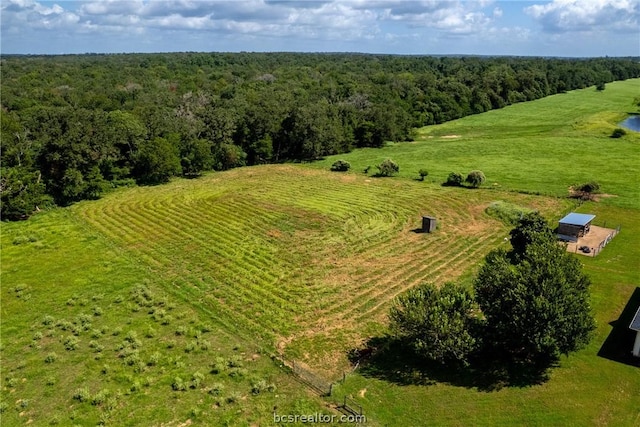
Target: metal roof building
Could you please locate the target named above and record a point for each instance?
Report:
(635, 326)
(577, 219)
(574, 225)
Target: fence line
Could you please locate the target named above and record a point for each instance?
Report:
(606, 241)
(352, 406)
(313, 381)
(322, 387)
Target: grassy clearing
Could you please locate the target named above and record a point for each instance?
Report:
(297, 263)
(90, 337)
(542, 146)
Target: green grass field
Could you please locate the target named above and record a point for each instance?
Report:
(109, 306)
(542, 146)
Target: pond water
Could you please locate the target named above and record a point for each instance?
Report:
(632, 123)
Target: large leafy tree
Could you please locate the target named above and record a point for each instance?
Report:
(535, 304)
(157, 161)
(436, 322)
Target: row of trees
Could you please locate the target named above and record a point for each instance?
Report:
(74, 126)
(529, 305)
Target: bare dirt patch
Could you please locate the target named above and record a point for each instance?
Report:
(450, 136)
(592, 240)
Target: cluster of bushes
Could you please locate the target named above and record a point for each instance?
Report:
(474, 179)
(387, 168)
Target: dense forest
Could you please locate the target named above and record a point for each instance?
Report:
(75, 126)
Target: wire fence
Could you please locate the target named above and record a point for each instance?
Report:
(351, 406)
(310, 379)
(321, 386)
(606, 240)
(595, 250)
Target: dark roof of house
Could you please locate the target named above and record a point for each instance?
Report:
(635, 323)
(577, 219)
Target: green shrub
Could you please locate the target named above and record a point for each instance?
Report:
(423, 173)
(588, 187)
(388, 168)
(178, 384)
(81, 395)
(234, 397)
(71, 343)
(475, 178)
(196, 380)
(454, 179)
(100, 397)
(235, 361)
(238, 372)
(219, 366)
(154, 359)
(47, 320)
(190, 346)
(340, 166)
(506, 212)
(262, 386)
(618, 133)
(51, 357)
(367, 169)
(216, 389)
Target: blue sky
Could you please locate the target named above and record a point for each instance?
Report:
(481, 27)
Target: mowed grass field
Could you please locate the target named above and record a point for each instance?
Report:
(201, 280)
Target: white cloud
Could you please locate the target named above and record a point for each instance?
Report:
(406, 25)
(20, 14)
(593, 15)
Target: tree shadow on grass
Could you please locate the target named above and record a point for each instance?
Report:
(618, 345)
(391, 360)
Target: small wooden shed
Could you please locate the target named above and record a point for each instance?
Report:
(635, 326)
(428, 224)
(575, 225)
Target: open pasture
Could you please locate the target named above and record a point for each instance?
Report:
(542, 146)
(285, 254)
(91, 337)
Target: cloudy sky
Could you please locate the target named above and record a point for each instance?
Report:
(484, 27)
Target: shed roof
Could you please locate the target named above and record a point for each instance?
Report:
(577, 219)
(635, 323)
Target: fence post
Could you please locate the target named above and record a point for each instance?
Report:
(330, 388)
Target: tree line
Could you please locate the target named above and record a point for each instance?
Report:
(75, 126)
